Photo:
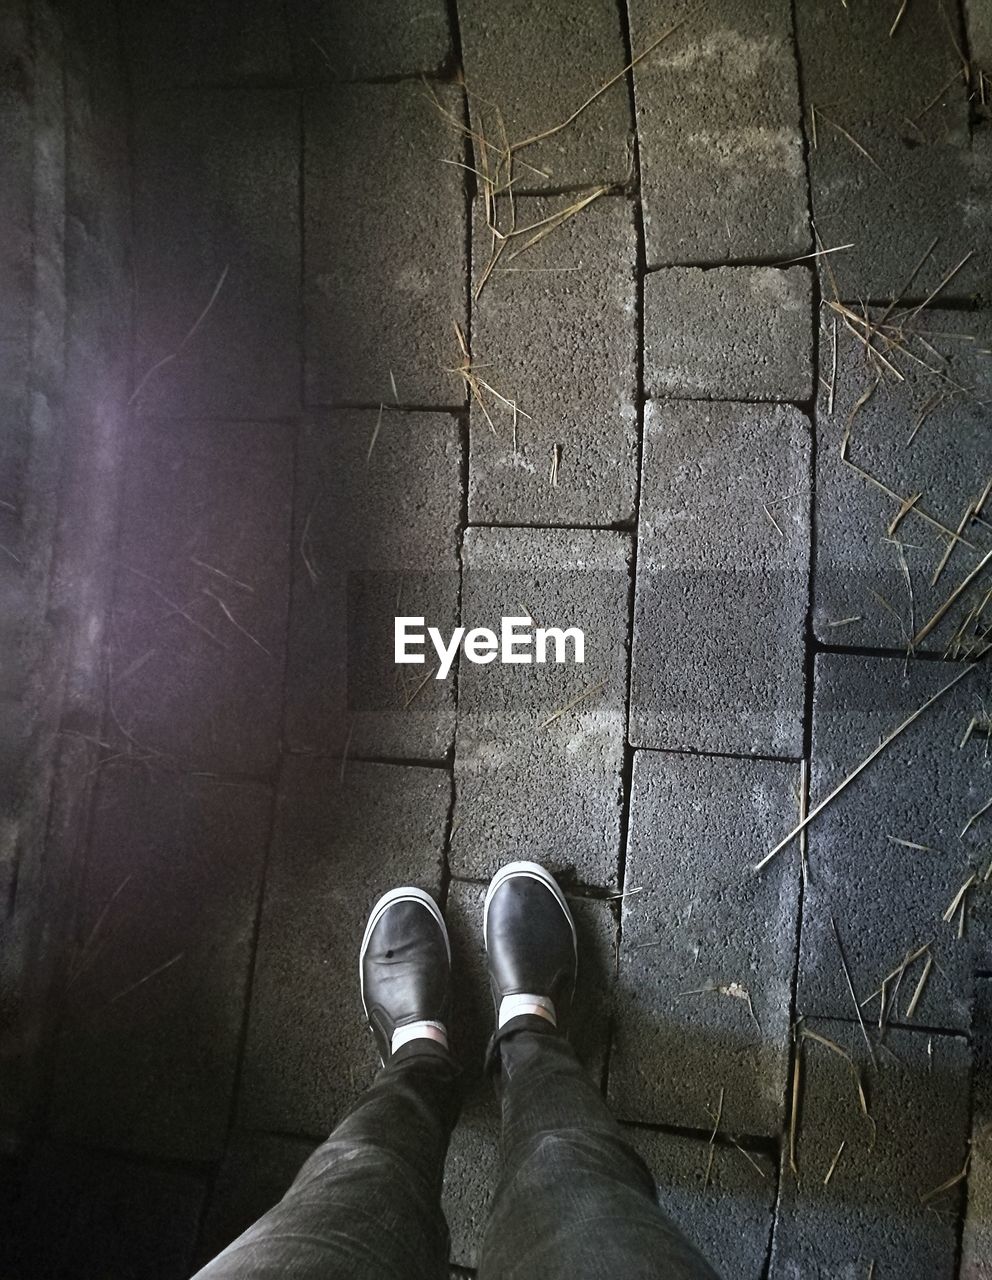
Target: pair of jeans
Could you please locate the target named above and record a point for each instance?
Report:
(574, 1201)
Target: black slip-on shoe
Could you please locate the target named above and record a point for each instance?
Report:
(531, 946)
(405, 971)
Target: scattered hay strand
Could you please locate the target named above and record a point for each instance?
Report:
(375, 434)
(850, 987)
(912, 844)
(794, 1117)
(975, 816)
(958, 899)
(846, 622)
(898, 18)
(962, 525)
(955, 595)
(202, 564)
(834, 1047)
(834, 1162)
(555, 464)
(235, 623)
(579, 698)
(184, 343)
(949, 1184)
(853, 141)
(868, 760)
(918, 992)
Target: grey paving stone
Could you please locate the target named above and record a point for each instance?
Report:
(723, 174)
(571, 368)
(888, 899)
(216, 197)
(976, 1243)
(861, 587)
(724, 1205)
(473, 1008)
(89, 1216)
(199, 625)
(532, 778)
(365, 42)
(385, 257)
(730, 333)
(185, 42)
(256, 1172)
(722, 579)
(874, 1207)
(159, 983)
(704, 1009)
(470, 1177)
(925, 178)
(342, 838)
(536, 66)
(376, 537)
(978, 24)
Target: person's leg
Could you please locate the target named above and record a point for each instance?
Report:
(366, 1205)
(574, 1199)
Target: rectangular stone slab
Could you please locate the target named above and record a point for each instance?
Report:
(723, 174)
(368, 41)
(534, 66)
(887, 898)
(555, 331)
(708, 948)
(159, 984)
(923, 178)
(722, 565)
(976, 1242)
(724, 1205)
(384, 233)
(876, 1205)
(343, 837)
(925, 436)
(184, 42)
(539, 748)
(376, 536)
(199, 628)
(729, 333)
(216, 209)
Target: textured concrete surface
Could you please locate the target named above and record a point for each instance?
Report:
(921, 178)
(879, 1205)
(740, 191)
(376, 536)
(888, 899)
(707, 949)
(185, 42)
(199, 621)
(976, 1243)
(343, 836)
(722, 579)
(368, 41)
(529, 67)
(159, 979)
(533, 779)
(978, 24)
(723, 1205)
(385, 254)
(216, 214)
(470, 1177)
(728, 333)
(571, 369)
(919, 436)
(255, 1174)
(91, 1215)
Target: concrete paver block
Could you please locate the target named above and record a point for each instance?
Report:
(185, 42)
(978, 23)
(919, 436)
(217, 245)
(385, 255)
(539, 748)
(199, 627)
(555, 331)
(724, 1205)
(536, 66)
(368, 41)
(707, 951)
(888, 898)
(148, 1055)
(255, 1174)
(730, 333)
(878, 1206)
(343, 836)
(722, 579)
(741, 190)
(376, 537)
(976, 1243)
(921, 178)
(470, 1177)
(89, 1215)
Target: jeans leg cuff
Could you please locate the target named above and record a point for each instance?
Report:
(525, 1022)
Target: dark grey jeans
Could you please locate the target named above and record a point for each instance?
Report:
(574, 1201)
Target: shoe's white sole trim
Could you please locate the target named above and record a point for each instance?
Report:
(406, 893)
(534, 871)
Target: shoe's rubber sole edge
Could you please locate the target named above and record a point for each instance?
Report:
(536, 872)
(406, 893)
